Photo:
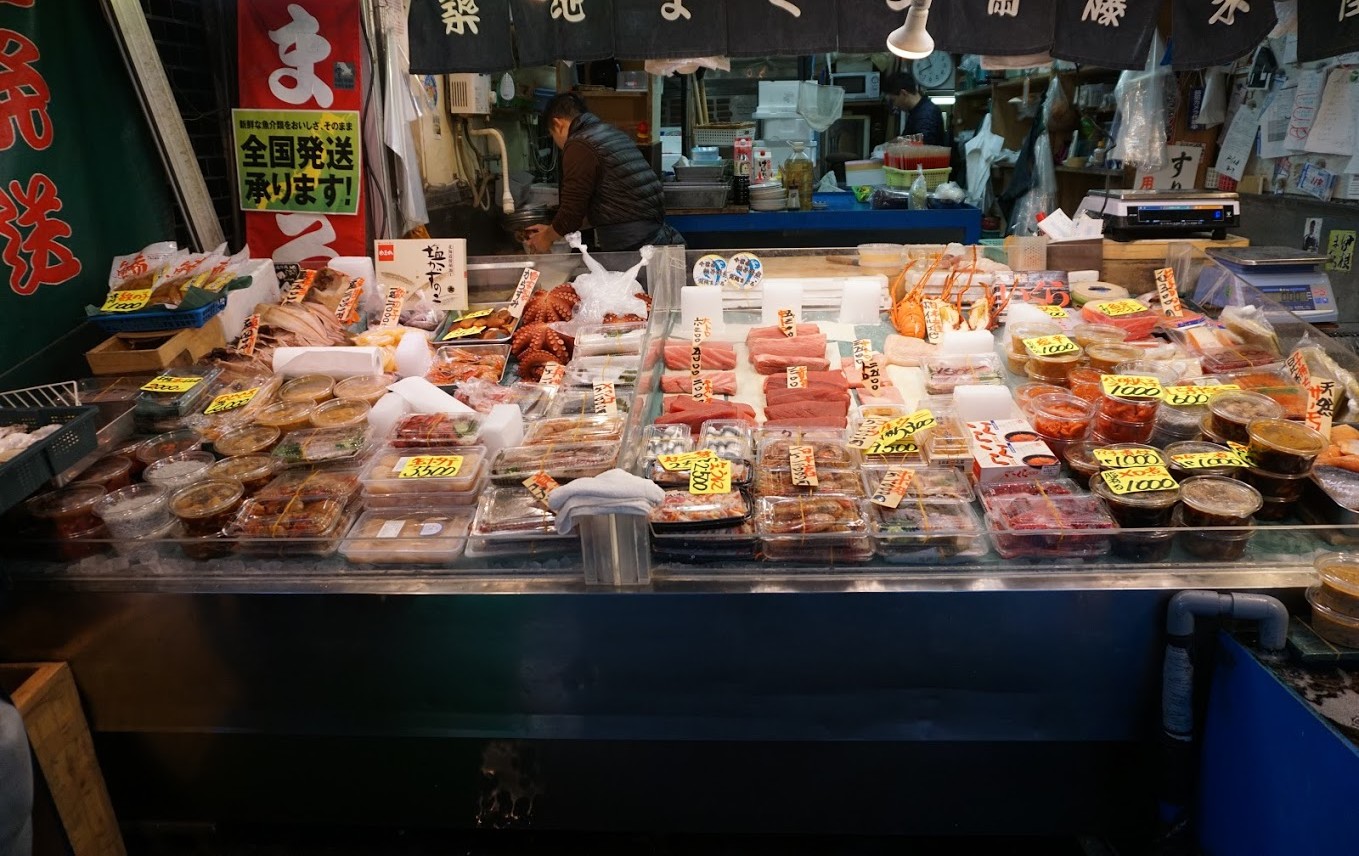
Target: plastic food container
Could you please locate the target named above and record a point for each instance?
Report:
(340, 413)
(1026, 393)
(1110, 431)
(67, 512)
(682, 510)
(927, 531)
(366, 388)
(667, 440)
(1017, 333)
(312, 389)
(137, 511)
(581, 402)
(779, 482)
(1215, 545)
(587, 371)
(289, 527)
(286, 416)
(1332, 497)
(111, 473)
(161, 404)
(1104, 356)
(1086, 335)
(252, 471)
(576, 429)
(1165, 372)
(732, 543)
(602, 340)
(1214, 501)
(825, 519)
(727, 438)
(1060, 419)
(1274, 384)
(1288, 488)
(1220, 360)
(946, 444)
(1145, 510)
(250, 440)
(1285, 447)
(1033, 488)
(204, 510)
(1180, 421)
(1143, 546)
(1080, 458)
(1124, 408)
(510, 523)
(562, 462)
(1054, 369)
(1017, 363)
(341, 484)
(165, 445)
(1176, 451)
(1050, 527)
(1229, 413)
(835, 455)
(322, 446)
(1084, 383)
(431, 536)
(212, 426)
(880, 255)
(1274, 509)
(180, 470)
(422, 430)
(1337, 626)
(455, 477)
(741, 474)
(925, 483)
(1339, 573)
(946, 371)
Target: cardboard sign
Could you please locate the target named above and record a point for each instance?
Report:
(523, 291)
(347, 311)
(1190, 396)
(435, 266)
(245, 345)
(540, 484)
(892, 488)
(127, 301)
(1131, 386)
(802, 462)
(606, 398)
(1169, 293)
(933, 326)
(1139, 480)
(867, 432)
(1050, 346)
(169, 383)
(231, 401)
(391, 310)
(298, 288)
(428, 467)
(1207, 460)
(1123, 458)
(710, 476)
(869, 370)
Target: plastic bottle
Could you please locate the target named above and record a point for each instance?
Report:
(920, 192)
(797, 179)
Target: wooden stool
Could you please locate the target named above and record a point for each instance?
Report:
(45, 694)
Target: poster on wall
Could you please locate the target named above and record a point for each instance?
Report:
(1181, 171)
(297, 160)
(302, 55)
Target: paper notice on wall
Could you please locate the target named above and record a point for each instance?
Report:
(1274, 123)
(1306, 97)
(1337, 116)
(1239, 141)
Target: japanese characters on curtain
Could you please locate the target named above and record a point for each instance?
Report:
(550, 30)
(472, 35)
(1327, 28)
(995, 27)
(863, 25)
(1106, 33)
(674, 29)
(796, 26)
(1214, 32)
(301, 59)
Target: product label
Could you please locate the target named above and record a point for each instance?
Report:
(472, 316)
(710, 476)
(428, 467)
(1118, 308)
(708, 270)
(1138, 480)
(1320, 393)
(391, 310)
(869, 370)
(298, 288)
(743, 271)
(606, 398)
(553, 374)
(245, 346)
(1242, 452)
(539, 485)
(892, 489)
(1297, 367)
(169, 383)
(802, 462)
(347, 311)
(1123, 458)
(681, 462)
(1054, 311)
(933, 326)
(701, 388)
(523, 291)
(391, 529)
(464, 332)
(695, 360)
(1131, 386)
(1188, 396)
(1050, 346)
(231, 401)
(898, 446)
(907, 426)
(788, 322)
(1169, 293)
(126, 301)
(797, 376)
(1207, 460)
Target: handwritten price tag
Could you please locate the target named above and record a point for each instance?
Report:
(245, 346)
(1054, 311)
(527, 280)
(701, 388)
(934, 327)
(703, 328)
(866, 433)
(710, 476)
(553, 374)
(1169, 293)
(231, 401)
(1123, 458)
(1139, 480)
(606, 398)
(464, 332)
(127, 301)
(1207, 460)
(1050, 346)
(892, 489)
(802, 462)
(797, 376)
(428, 467)
(788, 322)
(681, 462)
(909, 425)
(391, 310)
(1119, 308)
(347, 311)
(1189, 396)
(169, 383)
(298, 288)
(1242, 452)
(1131, 386)
(539, 485)
(869, 370)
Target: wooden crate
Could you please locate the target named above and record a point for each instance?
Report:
(138, 353)
(1131, 263)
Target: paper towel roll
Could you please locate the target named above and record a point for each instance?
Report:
(336, 362)
(1085, 291)
(425, 397)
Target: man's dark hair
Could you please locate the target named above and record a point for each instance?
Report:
(564, 105)
(900, 81)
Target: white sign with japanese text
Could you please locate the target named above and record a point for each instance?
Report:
(435, 266)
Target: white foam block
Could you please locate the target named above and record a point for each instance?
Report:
(502, 428)
(335, 362)
(425, 397)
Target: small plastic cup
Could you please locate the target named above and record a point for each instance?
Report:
(1081, 460)
(1054, 368)
(1281, 486)
(205, 509)
(1086, 335)
(1230, 413)
(1029, 330)
(111, 473)
(1016, 363)
(1281, 446)
(369, 388)
(1145, 510)
(165, 445)
(286, 415)
(312, 389)
(1104, 356)
(1085, 383)
(250, 440)
(1214, 546)
(1167, 374)
(135, 511)
(1107, 430)
(1026, 393)
(180, 470)
(1273, 509)
(67, 512)
(1336, 625)
(1123, 408)
(1339, 572)
(1144, 546)
(1209, 501)
(1061, 416)
(340, 413)
(1197, 447)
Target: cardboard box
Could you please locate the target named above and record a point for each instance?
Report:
(134, 353)
(1010, 450)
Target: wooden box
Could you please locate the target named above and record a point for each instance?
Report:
(1131, 264)
(136, 353)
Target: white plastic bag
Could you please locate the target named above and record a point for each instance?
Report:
(1042, 198)
(1141, 140)
(602, 291)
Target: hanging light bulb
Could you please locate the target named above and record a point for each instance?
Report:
(911, 40)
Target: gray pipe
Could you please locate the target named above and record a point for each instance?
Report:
(1271, 614)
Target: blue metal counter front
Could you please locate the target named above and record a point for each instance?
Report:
(844, 222)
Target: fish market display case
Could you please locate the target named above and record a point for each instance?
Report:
(780, 629)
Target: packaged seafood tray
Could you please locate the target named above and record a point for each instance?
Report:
(926, 483)
(1050, 527)
(667, 440)
(824, 555)
(533, 399)
(482, 323)
(1220, 360)
(946, 371)
(602, 340)
(563, 462)
(576, 429)
(945, 444)
(990, 494)
(732, 543)
(1272, 383)
(451, 472)
(510, 522)
(681, 510)
(455, 364)
(829, 453)
(412, 536)
(176, 392)
(927, 531)
(313, 483)
(581, 402)
(423, 430)
(779, 482)
(741, 472)
(617, 369)
(232, 404)
(322, 446)
(289, 527)
(164, 445)
(727, 438)
(811, 520)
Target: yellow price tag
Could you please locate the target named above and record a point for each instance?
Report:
(170, 383)
(1189, 396)
(464, 332)
(1122, 458)
(677, 463)
(231, 400)
(428, 467)
(127, 301)
(893, 447)
(1242, 452)
(472, 316)
(1118, 308)
(709, 476)
(1207, 460)
(1054, 311)
(1139, 480)
(1050, 346)
(1131, 386)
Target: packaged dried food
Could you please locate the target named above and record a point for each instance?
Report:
(931, 483)
(165, 445)
(1040, 488)
(1337, 626)
(581, 402)
(927, 531)
(563, 462)
(420, 430)
(340, 413)
(1214, 501)
(1220, 360)
(1104, 357)
(1138, 510)
(412, 536)
(1027, 392)
(455, 365)
(944, 444)
(252, 471)
(232, 403)
(183, 391)
(667, 440)
(588, 371)
(1050, 527)
(291, 527)
(341, 484)
(286, 416)
(1284, 447)
(727, 438)
(204, 510)
(824, 519)
(178, 471)
(135, 511)
(312, 389)
(599, 340)
(67, 512)
(436, 470)
(779, 482)
(250, 440)
(367, 388)
(576, 429)
(830, 454)
(946, 371)
(322, 445)
(1218, 545)
(1230, 412)
(1088, 334)
(1280, 486)
(1198, 458)
(111, 473)
(681, 509)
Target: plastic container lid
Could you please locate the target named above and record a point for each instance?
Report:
(367, 388)
(1149, 499)
(566, 461)
(165, 445)
(1340, 571)
(287, 518)
(243, 468)
(1112, 353)
(105, 470)
(1220, 497)
(247, 440)
(437, 429)
(1026, 393)
(308, 388)
(681, 509)
(176, 471)
(420, 536)
(340, 484)
(1061, 407)
(340, 413)
(1198, 447)
(286, 414)
(576, 429)
(1166, 373)
(803, 517)
(322, 445)
(458, 471)
(206, 499)
(512, 512)
(1346, 631)
(1286, 436)
(132, 502)
(1240, 407)
(1086, 335)
(65, 502)
(1080, 457)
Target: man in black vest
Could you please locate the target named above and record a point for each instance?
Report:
(605, 181)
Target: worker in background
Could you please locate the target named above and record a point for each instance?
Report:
(923, 117)
(605, 184)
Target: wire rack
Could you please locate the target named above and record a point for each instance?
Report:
(64, 394)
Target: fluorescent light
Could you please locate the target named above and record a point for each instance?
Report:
(911, 40)
(944, 100)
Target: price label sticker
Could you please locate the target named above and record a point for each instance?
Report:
(893, 487)
(1207, 460)
(683, 461)
(170, 383)
(908, 426)
(1139, 480)
(523, 291)
(231, 401)
(797, 376)
(1189, 396)
(347, 310)
(1119, 308)
(701, 388)
(553, 374)
(866, 432)
(127, 301)
(788, 322)
(1123, 458)
(245, 345)
(606, 398)
(296, 290)
(1131, 386)
(464, 332)
(391, 310)
(1054, 311)
(428, 467)
(1169, 293)
(802, 462)
(539, 485)
(703, 328)
(899, 446)
(710, 476)
(1050, 346)
(1242, 452)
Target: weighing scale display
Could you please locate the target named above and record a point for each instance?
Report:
(1294, 298)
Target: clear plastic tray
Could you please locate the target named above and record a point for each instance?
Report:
(610, 339)
(563, 462)
(462, 464)
(322, 446)
(576, 429)
(212, 426)
(313, 483)
(581, 402)
(419, 536)
(832, 454)
(779, 482)
(667, 440)
(927, 531)
(741, 473)
(946, 371)
(156, 404)
(1050, 527)
(423, 430)
(727, 438)
(290, 527)
(811, 519)
(587, 371)
(926, 483)
(992, 493)
(682, 510)
(511, 523)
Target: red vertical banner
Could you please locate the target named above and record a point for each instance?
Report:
(302, 55)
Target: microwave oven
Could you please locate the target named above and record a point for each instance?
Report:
(859, 85)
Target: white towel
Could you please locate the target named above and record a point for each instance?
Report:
(614, 492)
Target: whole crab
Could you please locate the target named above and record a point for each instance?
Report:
(559, 304)
(540, 337)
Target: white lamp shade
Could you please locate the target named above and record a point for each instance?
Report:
(911, 40)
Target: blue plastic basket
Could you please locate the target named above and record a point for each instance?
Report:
(34, 466)
(163, 319)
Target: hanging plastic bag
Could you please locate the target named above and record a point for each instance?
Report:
(1042, 197)
(1213, 109)
(1141, 138)
(981, 152)
(1059, 117)
(604, 292)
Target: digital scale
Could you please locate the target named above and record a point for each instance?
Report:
(1295, 279)
(1132, 214)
